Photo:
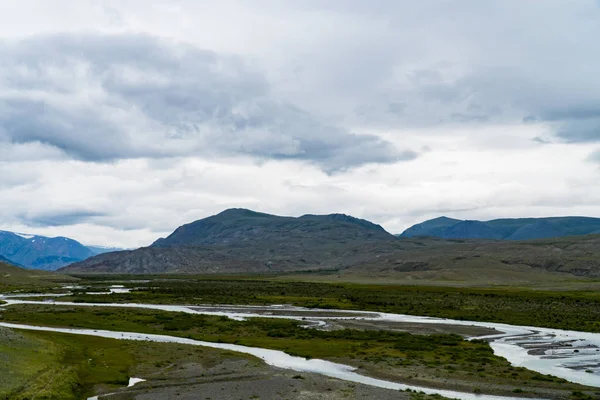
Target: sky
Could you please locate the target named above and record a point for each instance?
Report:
(122, 119)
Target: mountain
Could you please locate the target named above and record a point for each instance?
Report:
(505, 229)
(103, 249)
(13, 277)
(561, 260)
(239, 240)
(244, 241)
(5, 260)
(434, 227)
(239, 226)
(40, 252)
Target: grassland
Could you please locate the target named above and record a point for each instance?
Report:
(444, 361)
(15, 278)
(50, 366)
(433, 360)
(575, 310)
(45, 365)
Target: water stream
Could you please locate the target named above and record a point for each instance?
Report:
(271, 357)
(572, 355)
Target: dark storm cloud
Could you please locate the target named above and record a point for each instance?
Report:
(60, 218)
(100, 97)
(575, 131)
(477, 63)
(81, 133)
(573, 123)
(505, 96)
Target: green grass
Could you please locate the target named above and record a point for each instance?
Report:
(14, 278)
(44, 365)
(53, 366)
(22, 356)
(574, 310)
(471, 362)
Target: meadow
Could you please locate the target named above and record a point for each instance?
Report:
(42, 365)
(434, 360)
(441, 360)
(565, 309)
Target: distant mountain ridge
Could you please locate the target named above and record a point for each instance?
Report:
(41, 252)
(4, 260)
(103, 249)
(239, 240)
(240, 226)
(244, 241)
(506, 228)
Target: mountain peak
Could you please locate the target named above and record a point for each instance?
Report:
(240, 212)
(237, 240)
(506, 228)
(443, 218)
(41, 252)
(238, 226)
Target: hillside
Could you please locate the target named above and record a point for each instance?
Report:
(12, 277)
(240, 240)
(41, 252)
(240, 226)
(406, 258)
(5, 260)
(494, 262)
(505, 229)
(102, 249)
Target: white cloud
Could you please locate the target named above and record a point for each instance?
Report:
(122, 119)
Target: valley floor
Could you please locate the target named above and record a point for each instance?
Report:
(58, 366)
(429, 356)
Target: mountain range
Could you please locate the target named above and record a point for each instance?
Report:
(505, 229)
(41, 252)
(239, 240)
(244, 241)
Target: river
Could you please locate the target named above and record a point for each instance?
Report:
(572, 355)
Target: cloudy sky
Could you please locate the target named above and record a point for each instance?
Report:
(123, 119)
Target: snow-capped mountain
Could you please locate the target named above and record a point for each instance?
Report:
(41, 252)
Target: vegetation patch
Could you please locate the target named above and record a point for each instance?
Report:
(43, 365)
(441, 355)
(571, 310)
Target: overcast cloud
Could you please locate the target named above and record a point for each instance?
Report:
(122, 119)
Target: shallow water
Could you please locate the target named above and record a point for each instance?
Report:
(508, 344)
(132, 382)
(119, 289)
(571, 355)
(135, 381)
(272, 357)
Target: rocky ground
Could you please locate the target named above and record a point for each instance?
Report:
(241, 379)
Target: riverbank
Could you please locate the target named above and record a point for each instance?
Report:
(415, 350)
(273, 358)
(438, 361)
(562, 309)
(48, 365)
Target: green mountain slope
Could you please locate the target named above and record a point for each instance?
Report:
(13, 277)
(505, 229)
(242, 241)
(240, 226)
